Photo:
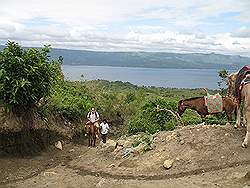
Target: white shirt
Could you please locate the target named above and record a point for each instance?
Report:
(104, 128)
(93, 116)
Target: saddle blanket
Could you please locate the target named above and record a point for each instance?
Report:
(214, 103)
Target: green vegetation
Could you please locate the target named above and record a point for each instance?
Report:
(146, 140)
(125, 104)
(223, 74)
(28, 75)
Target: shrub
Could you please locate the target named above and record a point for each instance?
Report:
(149, 120)
(26, 76)
(70, 100)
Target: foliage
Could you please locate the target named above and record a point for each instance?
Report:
(26, 75)
(70, 100)
(150, 120)
(223, 74)
(146, 140)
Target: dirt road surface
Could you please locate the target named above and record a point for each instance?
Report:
(202, 156)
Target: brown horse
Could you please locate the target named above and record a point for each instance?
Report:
(244, 93)
(198, 104)
(92, 131)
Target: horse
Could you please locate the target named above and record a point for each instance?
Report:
(242, 92)
(198, 104)
(92, 131)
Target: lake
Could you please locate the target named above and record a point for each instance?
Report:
(173, 78)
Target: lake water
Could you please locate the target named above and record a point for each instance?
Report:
(174, 78)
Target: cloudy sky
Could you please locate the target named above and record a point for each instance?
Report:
(221, 26)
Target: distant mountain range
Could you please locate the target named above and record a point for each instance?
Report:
(150, 59)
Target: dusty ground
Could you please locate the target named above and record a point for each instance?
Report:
(203, 156)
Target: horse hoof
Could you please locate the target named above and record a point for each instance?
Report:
(244, 145)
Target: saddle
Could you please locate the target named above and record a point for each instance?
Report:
(214, 103)
(243, 77)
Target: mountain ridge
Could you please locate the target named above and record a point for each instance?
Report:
(149, 59)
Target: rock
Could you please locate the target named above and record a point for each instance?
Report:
(182, 142)
(168, 164)
(111, 166)
(58, 145)
(72, 150)
(152, 146)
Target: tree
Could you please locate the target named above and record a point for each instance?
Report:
(223, 74)
(26, 75)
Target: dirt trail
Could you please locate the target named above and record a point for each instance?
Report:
(203, 156)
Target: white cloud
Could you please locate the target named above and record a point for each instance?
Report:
(82, 24)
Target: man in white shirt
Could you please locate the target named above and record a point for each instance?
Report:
(104, 130)
(93, 118)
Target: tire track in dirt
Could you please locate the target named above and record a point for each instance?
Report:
(85, 172)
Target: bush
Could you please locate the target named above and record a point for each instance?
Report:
(26, 76)
(149, 120)
(70, 100)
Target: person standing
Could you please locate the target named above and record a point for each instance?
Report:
(104, 130)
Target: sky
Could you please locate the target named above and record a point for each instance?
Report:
(183, 26)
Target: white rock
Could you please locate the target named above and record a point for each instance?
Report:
(168, 164)
(58, 145)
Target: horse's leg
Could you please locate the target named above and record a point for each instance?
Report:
(229, 118)
(238, 117)
(89, 139)
(244, 113)
(94, 139)
(202, 117)
(247, 111)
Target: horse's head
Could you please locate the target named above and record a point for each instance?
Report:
(181, 107)
(231, 84)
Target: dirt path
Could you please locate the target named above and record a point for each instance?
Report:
(204, 156)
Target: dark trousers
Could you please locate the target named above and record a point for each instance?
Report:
(104, 137)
